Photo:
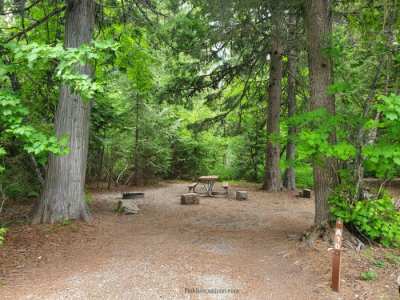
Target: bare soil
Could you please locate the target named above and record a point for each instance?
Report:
(246, 249)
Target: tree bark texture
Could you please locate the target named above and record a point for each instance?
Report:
(63, 196)
(272, 179)
(290, 174)
(318, 25)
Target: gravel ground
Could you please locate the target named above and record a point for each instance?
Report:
(242, 249)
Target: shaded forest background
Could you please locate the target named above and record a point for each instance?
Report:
(185, 88)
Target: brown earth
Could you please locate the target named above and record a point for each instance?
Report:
(247, 249)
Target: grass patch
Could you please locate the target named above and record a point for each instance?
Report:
(379, 263)
(3, 232)
(392, 258)
(88, 198)
(368, 275)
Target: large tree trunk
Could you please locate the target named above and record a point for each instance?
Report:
(63, 196)
(318, 35)
(272, 179)
(290, 174)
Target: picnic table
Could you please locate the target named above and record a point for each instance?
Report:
(205, 185)
(209, 182)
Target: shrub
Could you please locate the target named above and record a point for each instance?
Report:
(88, 198)
(304, 176)
(377, 219)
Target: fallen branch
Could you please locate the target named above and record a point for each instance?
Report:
(120, 174)
(37, 170)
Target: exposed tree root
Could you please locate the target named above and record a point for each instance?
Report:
(353, 237)
(317, 232)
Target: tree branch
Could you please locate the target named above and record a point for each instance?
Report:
(18, 11)
(35, 24)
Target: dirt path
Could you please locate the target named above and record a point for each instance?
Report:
(167, 250)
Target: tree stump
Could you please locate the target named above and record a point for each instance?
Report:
(241, 195)
(306, 193)
(189, 199)
(127, 207)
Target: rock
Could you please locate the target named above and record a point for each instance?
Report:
(189, 199)
(241, 195)
(127, 207)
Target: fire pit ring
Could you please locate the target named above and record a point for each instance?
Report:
(132, 195)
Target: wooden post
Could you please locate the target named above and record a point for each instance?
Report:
(336, 259)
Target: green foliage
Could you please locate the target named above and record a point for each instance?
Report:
(304, 175)
(379, 263)
(378, 219)
(66, 223)
(3, 232)
(16, 181)
(14, 114)
(12, 118)
(185, 95)
(35, 55)
(383, 157)
(314, 139)
(368, 275)
(88, 198)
